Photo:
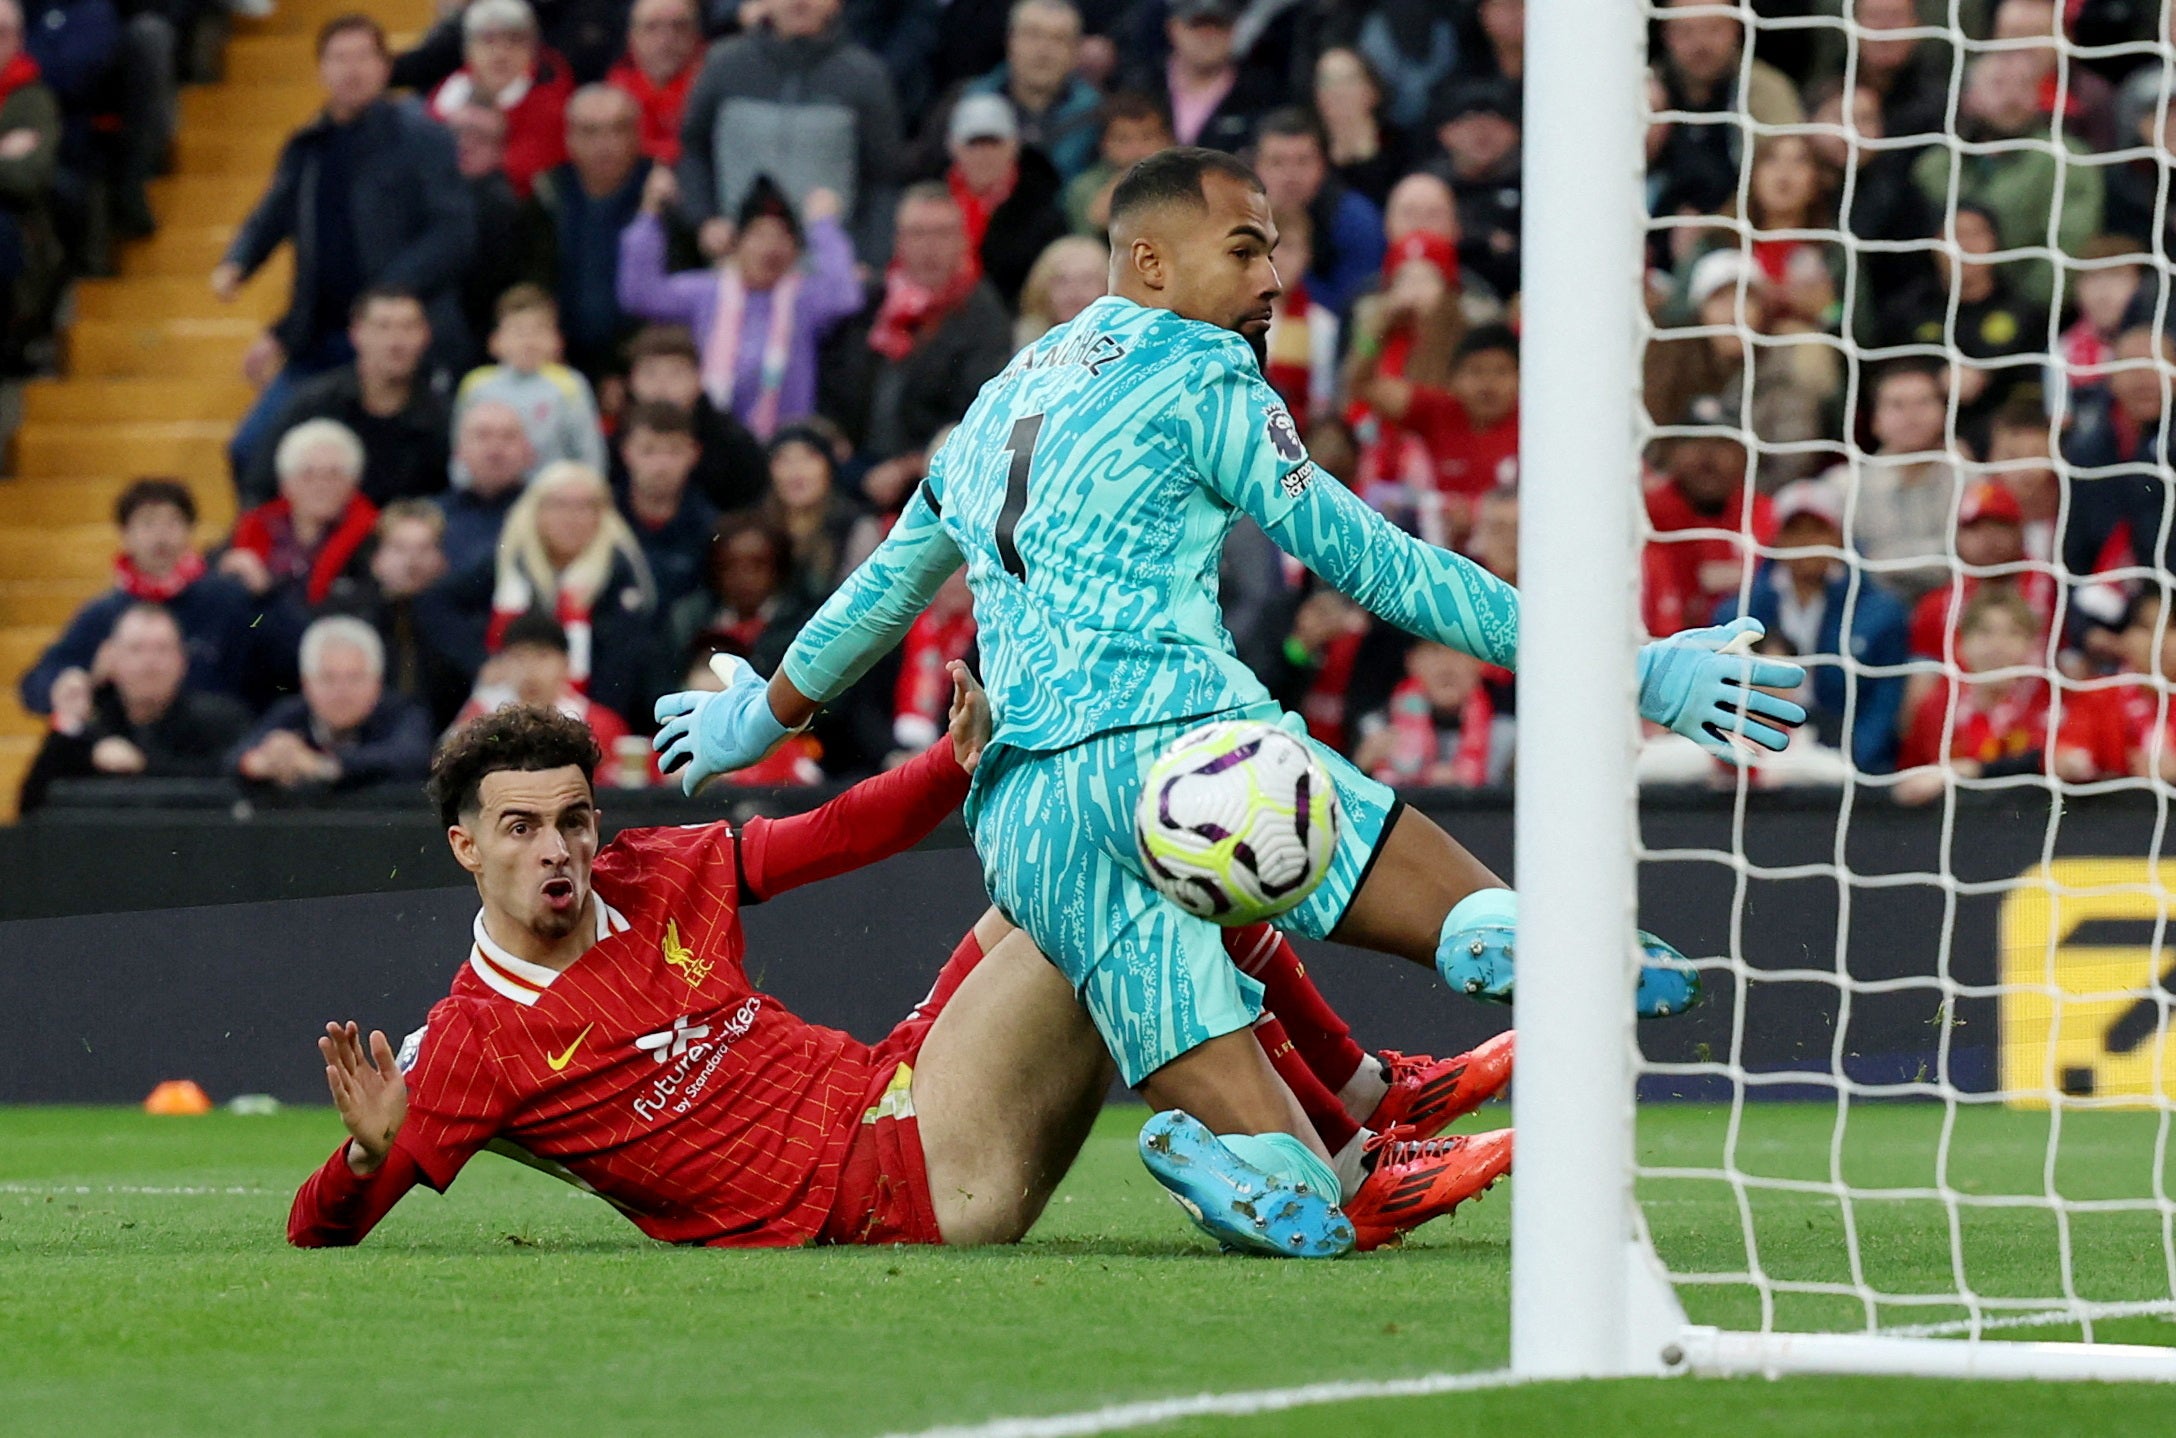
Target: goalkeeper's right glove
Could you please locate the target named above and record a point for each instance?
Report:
(1691, 686)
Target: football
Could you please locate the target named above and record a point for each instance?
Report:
(1236, 821)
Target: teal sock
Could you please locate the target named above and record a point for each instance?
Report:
(1282, 1156)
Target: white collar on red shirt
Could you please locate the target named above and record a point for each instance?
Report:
(518, 979)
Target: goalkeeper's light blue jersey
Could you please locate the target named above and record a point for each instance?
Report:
(1090, 488)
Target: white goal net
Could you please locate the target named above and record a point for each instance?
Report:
(1903, 395)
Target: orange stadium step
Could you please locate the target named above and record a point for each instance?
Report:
(192, 449)
(270, 59)
(43, 601)
(302, 17)
(15, 720)
(81, 552)
(174, 297)
(75, 500)
(179, 250)
(145, 350)
(277, 107)
(228, 150)
(202, 397)
(20, 646)
(205, 199)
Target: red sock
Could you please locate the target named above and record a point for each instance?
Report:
(1321, 1037)
(1333, 1125)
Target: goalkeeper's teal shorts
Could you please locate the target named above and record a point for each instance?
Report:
(1055, 833)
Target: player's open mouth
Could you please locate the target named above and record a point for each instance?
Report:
(559, 893)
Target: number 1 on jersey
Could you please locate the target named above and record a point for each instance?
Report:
(1025, 431)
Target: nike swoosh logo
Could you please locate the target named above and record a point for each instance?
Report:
(568, 1057)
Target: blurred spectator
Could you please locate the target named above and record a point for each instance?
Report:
(1705, 519)
(664, 367)
(1071, 273)
(664, 52)
(1347, 229)
(381, 398)
(1500, 28)
(2119, 464)
(1803, 596)
(492, 461)
(804, 104)
(532, 667)
(76, 45)
(2087, 101)
(1304, 335)
(579, 210)
(922, 700)
(292, 548)
(1791, 190)
(1908, 487)
(1420, 202)
(1318, 657)
(749, 608)
(1414, 43)
(1494, 543)
(1406, 335)
(672, 522)
(2019, 456)
(1909, 77)
(152, 35)
(1134, 128)
(1477, 123)
(396, 598)
(1211, 98)
(1467, 429)
(939, 333)
(30, 252)
(2148, 709)
(1441, 729)
(805, 504)
(1995, 719)
(140, 720)
(368, 194)
(504, 65)
(479, 151)
(1992, 323)
(588, 35)
(1703, 72)
(566, 554)
(2017, 185)
(1367, 154)
(1991, 537)
(344, 731)
(761, 316)
(1678, 370)
(158, 564)
(1897, 279)
(554, 401)
(1007, 193)
(1055, 111)
(2103, 294)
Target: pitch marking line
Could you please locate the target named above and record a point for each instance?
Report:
(2097, 1312)
(1120, 1417)
(188, 1191)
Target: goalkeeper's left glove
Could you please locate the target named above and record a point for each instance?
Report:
(717, 733)
(1691, 686)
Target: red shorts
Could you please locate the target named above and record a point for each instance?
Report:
(883, 1194)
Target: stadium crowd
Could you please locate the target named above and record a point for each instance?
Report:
(620, 333)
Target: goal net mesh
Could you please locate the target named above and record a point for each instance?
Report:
(1915, 290)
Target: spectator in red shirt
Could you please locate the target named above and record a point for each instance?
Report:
(1996, 719)
(1441, 729)
(298, 544)
(1469, 428)
(532, 668)
(2103, 296)
(2148, 707)
(922, 699)
(664, 52)
(504, 65)
(1990, 536)
(2020, 456)
(1408, 332)
(1705, 520)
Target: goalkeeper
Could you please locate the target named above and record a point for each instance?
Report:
(1089, 490)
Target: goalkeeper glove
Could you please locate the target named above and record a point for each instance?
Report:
(715, 734)
(1692, 684)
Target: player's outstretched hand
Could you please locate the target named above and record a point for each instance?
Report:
(1700, 683)
(369, 1090)
(970, 729)
(715, 734)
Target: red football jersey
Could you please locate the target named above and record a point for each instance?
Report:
(651, 1070)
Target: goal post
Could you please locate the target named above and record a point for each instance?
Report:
(1595, 1293)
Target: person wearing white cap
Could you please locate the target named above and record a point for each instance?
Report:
(1805, 595)
(1678, 370)
(1008, 193)
(1059, 112)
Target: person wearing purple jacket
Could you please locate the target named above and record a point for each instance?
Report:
(760, 316)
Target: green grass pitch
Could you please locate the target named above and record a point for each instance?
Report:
(145, 1289)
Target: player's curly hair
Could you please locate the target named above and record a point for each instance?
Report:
(521, 738)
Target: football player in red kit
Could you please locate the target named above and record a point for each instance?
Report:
(604, 1028)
